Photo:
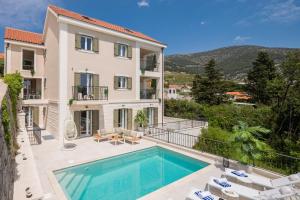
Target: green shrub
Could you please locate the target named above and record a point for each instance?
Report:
(6, 122)
(183, 109)
(15, 85)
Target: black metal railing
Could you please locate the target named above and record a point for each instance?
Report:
(32, 95)
(81, 93)
(149, 65)
(269, 160)
(181, 124)
(149, 94)
(34, 134)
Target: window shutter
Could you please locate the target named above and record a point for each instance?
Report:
(77, 121)
(116, 49)
(77, 41)
(129, 83)
(129, 52)
(95, 121)
(96, 45)
(129, 119)
(96, 88)
(116, 118)
(76, 79)
(116, 82)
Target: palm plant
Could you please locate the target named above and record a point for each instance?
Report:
(247, 146)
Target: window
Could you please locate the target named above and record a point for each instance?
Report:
(122, 82)
(28, 60)
(86, 43)
(123, 50)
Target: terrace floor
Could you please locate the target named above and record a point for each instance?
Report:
(49, 156)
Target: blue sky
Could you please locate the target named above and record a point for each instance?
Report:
(185, 25)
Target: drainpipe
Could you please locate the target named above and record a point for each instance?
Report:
(163, 82)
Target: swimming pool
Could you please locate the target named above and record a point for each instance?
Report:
(128, 176)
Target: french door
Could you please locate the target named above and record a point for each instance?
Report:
(86, 123)
(28, 116)
(123, 118)
(86, 81)
(151, 114)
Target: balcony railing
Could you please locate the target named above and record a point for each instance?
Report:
(32, 96)
(83, 93)
(149, 65)
(149, 94)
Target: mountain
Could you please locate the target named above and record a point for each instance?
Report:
(233, 61)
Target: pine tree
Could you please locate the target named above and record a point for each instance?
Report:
(262, 72)
(208, 89)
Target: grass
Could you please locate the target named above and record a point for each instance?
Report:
(178, 78)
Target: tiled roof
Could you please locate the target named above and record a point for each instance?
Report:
(23, 36)
(1, 56)
(83, 18)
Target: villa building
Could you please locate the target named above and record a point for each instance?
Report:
(95, 73)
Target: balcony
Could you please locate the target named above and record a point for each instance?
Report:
(149, 65)
(148, 94)
(32, 89)
(84, 93)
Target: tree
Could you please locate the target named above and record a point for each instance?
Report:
(286, 105)
(208, 89)
(244, 138)
(263, 71)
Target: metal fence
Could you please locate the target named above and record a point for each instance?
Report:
(34, 134)
(180, 125)
(270, 160)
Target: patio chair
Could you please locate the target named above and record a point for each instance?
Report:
(132, 137)
(219, 184)
(101, 135)
(197, 194)
(265, 183)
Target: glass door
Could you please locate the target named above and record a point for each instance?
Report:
(28, 116)
(150, 116)
(86, 123)
(123, 118)
(86, 82)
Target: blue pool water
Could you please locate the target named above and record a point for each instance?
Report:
(128, 176)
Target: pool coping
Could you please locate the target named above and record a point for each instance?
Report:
(60, 194)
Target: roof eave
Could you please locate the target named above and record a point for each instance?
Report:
(68, 20)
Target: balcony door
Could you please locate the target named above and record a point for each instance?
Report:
(87, 86)
(86, 81)
(123, 118)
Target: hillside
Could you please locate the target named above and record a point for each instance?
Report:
(234, 61)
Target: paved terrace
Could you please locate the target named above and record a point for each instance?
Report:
(49, 156)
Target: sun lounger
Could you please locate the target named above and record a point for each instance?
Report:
(260, 180)
(217, 184)
(197, 194)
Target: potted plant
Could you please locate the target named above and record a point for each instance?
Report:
(141, 120)
(32, 72)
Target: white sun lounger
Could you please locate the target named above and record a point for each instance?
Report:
(194, 195)
(263, 181)
(249, 193)
(242, 191)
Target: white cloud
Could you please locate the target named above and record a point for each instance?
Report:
(241, 39)
(24, 13)
(143, 3)
(281, 11)
(202, 22)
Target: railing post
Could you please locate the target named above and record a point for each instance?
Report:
(168, 136)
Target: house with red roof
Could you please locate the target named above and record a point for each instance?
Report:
(90, 71)
(238, 96)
